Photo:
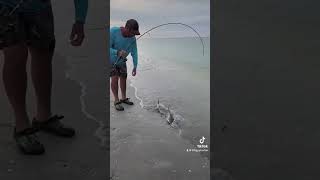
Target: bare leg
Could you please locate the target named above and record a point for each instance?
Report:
(41, 72)
(123, 87)
(114, 87)
(15, 82)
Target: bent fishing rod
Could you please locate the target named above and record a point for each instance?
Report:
(165, 24)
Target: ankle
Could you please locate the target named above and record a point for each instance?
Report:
(22, 123)
(42, 117)
(20, 128)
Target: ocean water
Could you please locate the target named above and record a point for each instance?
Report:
(173, 80)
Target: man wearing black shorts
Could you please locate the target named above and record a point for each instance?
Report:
(28, 26)
(122, 42)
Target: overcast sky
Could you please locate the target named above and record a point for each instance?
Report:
(150, 13)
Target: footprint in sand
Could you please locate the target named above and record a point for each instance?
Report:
(162, 164)
(220, 174)
(154, 163)
(79, 167)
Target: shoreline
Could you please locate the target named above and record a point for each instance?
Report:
(99, 132)
(145, 147)
(180, 125)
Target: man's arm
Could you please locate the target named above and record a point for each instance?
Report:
(134, 54)
(81, 9)
(77, 32)
(113, 52)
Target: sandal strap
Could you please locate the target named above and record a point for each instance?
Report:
(125, 100)
(118, 106)
(33, 139)
(117, 103)
(28, 134)
(54, 118)
(27, 131)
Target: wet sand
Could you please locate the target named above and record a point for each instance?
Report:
(81, 157)
(144, 146)
(78, 157)
(266, 89)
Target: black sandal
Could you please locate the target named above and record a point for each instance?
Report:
(118, 106)
(55, 126)
(28, 142)
(126, 101)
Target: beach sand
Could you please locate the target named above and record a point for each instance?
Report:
(266, 89)
(81, 157)
(144, 146)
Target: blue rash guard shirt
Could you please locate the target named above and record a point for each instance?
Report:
(118, 42)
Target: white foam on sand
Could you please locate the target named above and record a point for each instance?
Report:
(136, 94)
(100, 132)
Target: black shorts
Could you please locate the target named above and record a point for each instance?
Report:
(119, 70)
(36, 29)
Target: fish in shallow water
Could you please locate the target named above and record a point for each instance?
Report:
(170, 118)
(158, 106)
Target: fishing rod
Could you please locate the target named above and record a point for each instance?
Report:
(16, 7)
(165, 24)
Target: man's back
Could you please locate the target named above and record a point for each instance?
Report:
(118, 42)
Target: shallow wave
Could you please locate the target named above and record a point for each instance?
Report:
(172, 118)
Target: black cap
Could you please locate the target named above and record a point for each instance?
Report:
(133, 25)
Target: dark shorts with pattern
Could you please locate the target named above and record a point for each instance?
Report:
(119, 70)
(34, 29)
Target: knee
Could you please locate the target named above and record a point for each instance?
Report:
(123, 78)
(15, 56)
(114, 81)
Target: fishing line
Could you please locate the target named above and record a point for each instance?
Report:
(170, 121)
(16, 7)
(165, 24)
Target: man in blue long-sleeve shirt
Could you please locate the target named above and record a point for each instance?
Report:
(27, 26)
(122, 42)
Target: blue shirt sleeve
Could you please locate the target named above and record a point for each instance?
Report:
(113, 51)
(81, 9)
(134, 54)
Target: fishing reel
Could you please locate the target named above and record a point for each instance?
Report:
(120, 61)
